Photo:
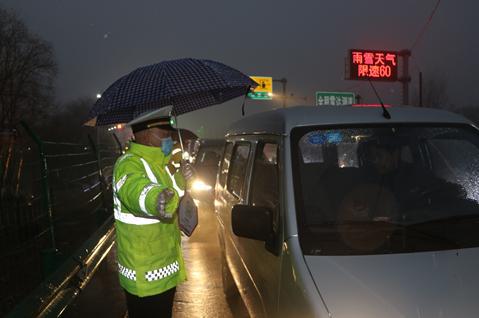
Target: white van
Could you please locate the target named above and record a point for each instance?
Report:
(341, 212)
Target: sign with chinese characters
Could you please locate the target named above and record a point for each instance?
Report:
(334, 98)
(264, 90)
(373, 65)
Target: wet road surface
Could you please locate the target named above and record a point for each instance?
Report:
(201, 296)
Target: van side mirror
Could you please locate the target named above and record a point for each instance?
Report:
(252, 222)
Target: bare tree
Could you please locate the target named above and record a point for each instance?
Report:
(434, 93)
(27, 71)
(65, 122)
(471, 112)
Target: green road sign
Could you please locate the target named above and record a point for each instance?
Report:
(334, 98)
(260, 95)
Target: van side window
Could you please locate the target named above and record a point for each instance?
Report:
(237, 173)
(265, 181)
(225, 164)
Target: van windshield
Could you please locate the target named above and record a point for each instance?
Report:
(386, 189)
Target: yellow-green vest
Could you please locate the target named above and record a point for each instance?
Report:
(149, 253)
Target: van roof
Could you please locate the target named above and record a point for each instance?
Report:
(281, 121)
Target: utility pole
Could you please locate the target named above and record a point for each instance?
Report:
(420, 89)
(405, 79)
(283, 81)
(358, 98)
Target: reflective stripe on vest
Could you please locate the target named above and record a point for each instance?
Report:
(142, 198)
(153, 179)
(120, 183)
(148, 170)
(127, 155)
(128, 273)
(175, 186)
(163, 272)
(129, 218)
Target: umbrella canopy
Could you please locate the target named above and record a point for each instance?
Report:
(187, 84)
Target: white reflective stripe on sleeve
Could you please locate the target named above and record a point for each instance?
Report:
(120, 183)
(143, 194)
(129, 218)
(180, 191)
(127, 155)
(175, 151)
(148, 170)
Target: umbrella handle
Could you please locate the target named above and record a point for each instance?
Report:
(181, 144)
(244, 100)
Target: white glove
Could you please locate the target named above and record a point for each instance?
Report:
(187, 170)
(163, 198)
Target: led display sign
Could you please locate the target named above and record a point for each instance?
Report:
(373, 65)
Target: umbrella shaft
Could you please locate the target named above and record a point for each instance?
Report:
(179, 137)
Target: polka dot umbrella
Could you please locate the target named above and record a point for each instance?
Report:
(187, 84)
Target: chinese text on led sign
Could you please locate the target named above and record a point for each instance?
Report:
(373, 65)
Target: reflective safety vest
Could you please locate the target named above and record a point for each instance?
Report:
(149, 253)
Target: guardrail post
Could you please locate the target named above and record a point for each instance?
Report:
(46, 197)
(100, 172)
(51, 257)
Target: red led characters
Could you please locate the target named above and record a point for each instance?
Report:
(373, 65)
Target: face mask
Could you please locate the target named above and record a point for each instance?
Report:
(167, 145)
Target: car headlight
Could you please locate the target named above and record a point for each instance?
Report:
(199, 186)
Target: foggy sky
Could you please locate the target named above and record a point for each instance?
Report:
(96, 42)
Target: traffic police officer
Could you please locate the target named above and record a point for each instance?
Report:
(146, 197)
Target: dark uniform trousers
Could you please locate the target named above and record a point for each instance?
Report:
(155, 306)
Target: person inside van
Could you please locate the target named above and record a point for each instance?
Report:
(392, 189)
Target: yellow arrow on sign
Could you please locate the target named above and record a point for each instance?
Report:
(265, 84)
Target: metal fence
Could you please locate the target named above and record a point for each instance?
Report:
(54, 196)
